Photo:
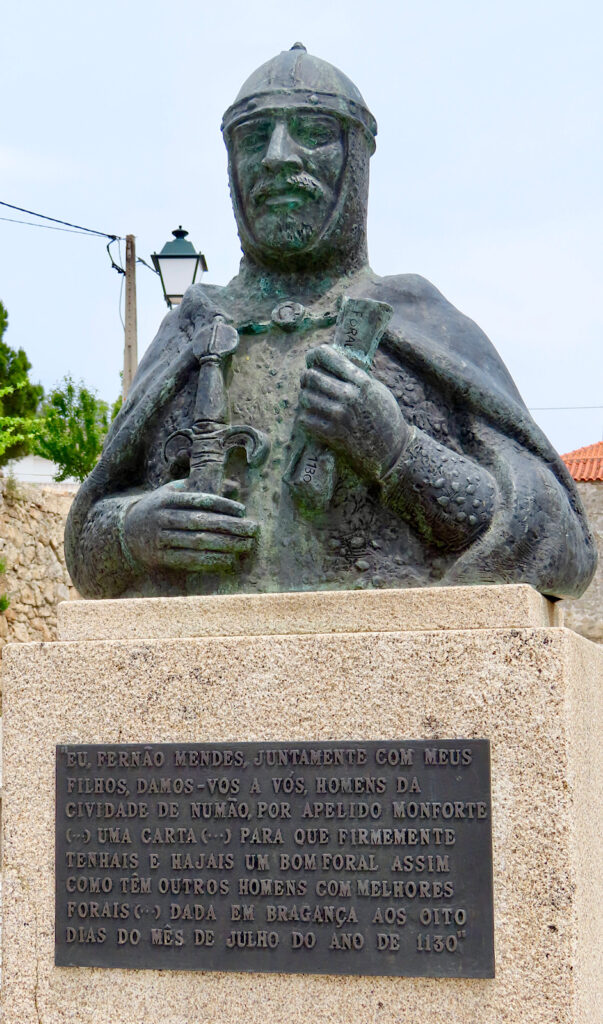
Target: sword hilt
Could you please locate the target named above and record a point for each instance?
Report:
(210, 437)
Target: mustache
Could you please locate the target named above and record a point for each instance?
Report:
(298, 181)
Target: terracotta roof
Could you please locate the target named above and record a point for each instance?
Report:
(586, 463)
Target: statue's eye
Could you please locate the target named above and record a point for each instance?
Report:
(311, 131)
(253, 136)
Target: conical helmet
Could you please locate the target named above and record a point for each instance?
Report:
(294, 78)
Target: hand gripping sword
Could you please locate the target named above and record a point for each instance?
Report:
(210, 436)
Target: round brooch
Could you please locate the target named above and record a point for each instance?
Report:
(288, 315)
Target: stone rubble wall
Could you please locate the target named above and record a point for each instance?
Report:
(32, 522)
(585, 615)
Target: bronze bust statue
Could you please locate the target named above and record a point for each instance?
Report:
(312, 425)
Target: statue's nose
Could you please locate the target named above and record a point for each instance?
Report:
(282, 151)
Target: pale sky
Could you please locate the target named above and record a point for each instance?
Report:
(486, 180)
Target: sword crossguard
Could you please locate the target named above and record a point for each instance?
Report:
(207, 446)
(254, 442)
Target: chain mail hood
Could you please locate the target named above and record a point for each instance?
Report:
(296, 80)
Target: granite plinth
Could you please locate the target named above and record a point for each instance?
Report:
(325, 611)
(532, 689)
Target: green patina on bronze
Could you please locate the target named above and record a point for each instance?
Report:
(272, 457)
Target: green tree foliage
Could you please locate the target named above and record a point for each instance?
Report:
(117, 404)
(17, 433)
(4, 598)
(74, 424)
(19, 399)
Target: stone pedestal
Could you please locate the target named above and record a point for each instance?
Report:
(488, 662)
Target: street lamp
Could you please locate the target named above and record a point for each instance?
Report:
(178, 264)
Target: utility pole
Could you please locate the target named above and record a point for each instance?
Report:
(131, 331)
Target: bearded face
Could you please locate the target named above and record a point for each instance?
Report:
(286, 173)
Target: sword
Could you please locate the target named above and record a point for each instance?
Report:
(211, 437)
(358, 332)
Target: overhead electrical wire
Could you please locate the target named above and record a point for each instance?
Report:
(114, 265)
(79, 229)
(56, 220)
(48, 227)
(74, 229)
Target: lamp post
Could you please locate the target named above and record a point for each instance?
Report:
(178, 265)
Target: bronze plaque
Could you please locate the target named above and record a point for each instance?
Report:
(321, 858)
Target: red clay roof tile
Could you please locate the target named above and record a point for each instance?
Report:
(586, 464)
